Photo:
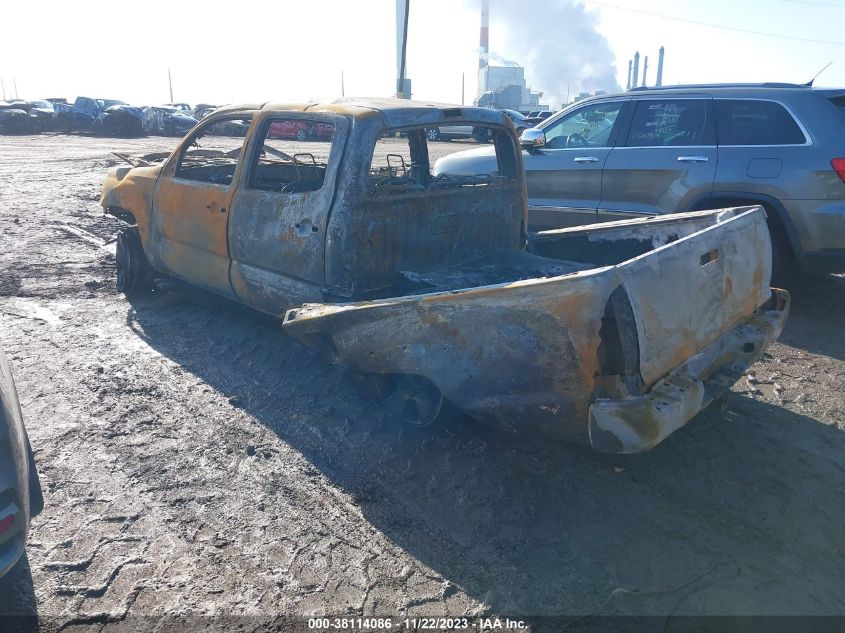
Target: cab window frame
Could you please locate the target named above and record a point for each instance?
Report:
(420, 154)
(175, 165)
(259, 136)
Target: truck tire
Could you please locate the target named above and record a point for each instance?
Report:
(417, 402)
(134, 273)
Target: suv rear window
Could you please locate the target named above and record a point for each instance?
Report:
(751, 122)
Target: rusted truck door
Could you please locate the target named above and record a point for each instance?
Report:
(192, 202)
(277, 227)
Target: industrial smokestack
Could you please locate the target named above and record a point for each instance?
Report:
(636, 69)
(645, 72)
(628, 85)
(484, 46)
(660, 67)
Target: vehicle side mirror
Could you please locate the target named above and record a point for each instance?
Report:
(532, 138)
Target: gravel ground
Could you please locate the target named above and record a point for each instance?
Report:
(197, 461)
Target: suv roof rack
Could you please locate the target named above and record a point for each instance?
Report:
(767, 84)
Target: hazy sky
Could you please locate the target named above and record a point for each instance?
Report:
(255, 51)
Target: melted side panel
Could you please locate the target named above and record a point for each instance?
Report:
(132, 189)
(522, 355)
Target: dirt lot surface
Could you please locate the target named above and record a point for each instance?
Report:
(195, 460)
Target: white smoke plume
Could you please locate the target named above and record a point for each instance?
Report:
(557, 42)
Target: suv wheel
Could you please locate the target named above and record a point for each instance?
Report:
(134, 274)
(432, 134)
(784, 265)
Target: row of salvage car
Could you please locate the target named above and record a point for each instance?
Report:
(104, 117)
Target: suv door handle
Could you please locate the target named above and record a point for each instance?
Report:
(693, 159)
(586, 159)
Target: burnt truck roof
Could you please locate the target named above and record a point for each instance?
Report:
(394, 112)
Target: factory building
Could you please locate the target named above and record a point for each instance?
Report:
(501, 86)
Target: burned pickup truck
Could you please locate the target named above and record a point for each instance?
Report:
(614, 334)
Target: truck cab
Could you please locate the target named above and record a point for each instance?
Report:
(335, 210)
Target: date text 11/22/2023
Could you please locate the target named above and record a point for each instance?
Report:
(414, 624)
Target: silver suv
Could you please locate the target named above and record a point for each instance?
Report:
(659, 150)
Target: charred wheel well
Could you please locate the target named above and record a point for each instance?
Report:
(122, 214)
(619, 347)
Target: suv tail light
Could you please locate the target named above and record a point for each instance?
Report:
(838, 165)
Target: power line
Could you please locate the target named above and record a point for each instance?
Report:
(713, 26)
(818, 4)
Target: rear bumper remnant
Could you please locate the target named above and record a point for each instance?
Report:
(635, 424)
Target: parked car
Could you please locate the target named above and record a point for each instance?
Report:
(167, 120)
(41, 114)
(20, 488)
(479, 134)
(301, 130)
(119, 119)
(661, 150)
(14, 119)
(538, 116)
(614, 334)
(102, 117)
(520, 121)
(202, 110)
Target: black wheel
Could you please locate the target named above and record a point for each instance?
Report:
(134, 274)
(415, 400)
(432, 134)
(481, 135)
(301, 135)
(784, 266)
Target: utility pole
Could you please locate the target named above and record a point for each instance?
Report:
(15, 81)
(342, 85)
(3, 86)
(463, 86)
(170, 82)
(400, 80)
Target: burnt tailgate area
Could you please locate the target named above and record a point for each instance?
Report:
(195, 459)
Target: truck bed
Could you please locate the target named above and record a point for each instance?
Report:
(595, 334)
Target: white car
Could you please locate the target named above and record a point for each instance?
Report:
(20, 489)
(452, 132)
